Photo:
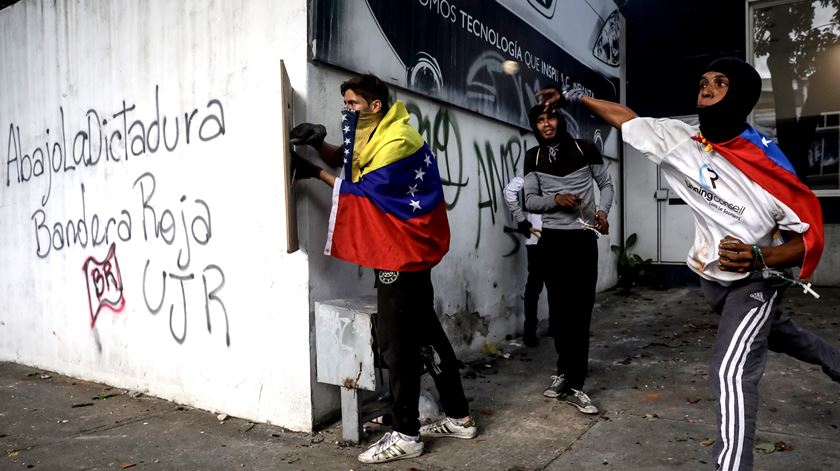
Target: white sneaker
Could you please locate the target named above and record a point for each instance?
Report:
(392, 446)
(447, 427)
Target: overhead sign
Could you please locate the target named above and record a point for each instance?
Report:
(474, 54)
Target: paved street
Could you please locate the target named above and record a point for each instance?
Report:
(648, 375)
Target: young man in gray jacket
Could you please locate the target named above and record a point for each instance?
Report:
(560, 176)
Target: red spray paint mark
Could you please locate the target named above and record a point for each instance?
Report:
(104, 284)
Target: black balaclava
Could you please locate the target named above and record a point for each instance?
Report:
(727, 118)
(560, 134)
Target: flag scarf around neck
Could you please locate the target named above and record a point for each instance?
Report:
(394, 216)
(760, 159)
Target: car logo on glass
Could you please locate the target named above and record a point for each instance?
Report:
(545, 7)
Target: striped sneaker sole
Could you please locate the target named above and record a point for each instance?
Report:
(443, 429)
(391, 453)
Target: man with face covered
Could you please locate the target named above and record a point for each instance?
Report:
(754, 220)
(389, 214)
(559, 176)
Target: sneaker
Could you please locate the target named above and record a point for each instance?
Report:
(392, 446)
(558, 385)
(447, 427)
(580, 400)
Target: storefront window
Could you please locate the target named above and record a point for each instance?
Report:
(795, 46)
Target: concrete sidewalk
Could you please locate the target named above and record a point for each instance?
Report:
(648, 374)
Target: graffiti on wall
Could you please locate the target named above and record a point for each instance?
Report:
(165, 229)
(495, 161)
(97, 143)
(107, 139)
(104, 284)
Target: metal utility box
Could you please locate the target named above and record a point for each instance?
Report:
(344, 342)
(344, 349)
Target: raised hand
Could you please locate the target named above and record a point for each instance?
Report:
(308, 133)
(550, 97)
(573, 95)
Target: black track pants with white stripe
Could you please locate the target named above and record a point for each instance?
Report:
(747, 310)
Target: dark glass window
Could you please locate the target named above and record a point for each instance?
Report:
(795, 46)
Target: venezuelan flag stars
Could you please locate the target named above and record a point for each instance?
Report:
(349, 118)
(412, 189)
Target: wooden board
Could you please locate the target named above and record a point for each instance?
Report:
(292, 243)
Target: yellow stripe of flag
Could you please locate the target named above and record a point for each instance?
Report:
(394, 139)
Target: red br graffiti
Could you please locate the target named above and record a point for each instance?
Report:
(104, 284)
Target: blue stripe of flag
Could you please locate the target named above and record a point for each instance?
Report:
(407, 188)
(768, 147)
(349, 120)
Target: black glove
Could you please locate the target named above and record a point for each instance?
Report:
(302, 168)
(308, 133)
(524, 228)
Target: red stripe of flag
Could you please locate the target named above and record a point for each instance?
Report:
(785, 187)
(364, 235)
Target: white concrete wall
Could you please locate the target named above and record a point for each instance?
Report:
(70, 63)
(213, 232)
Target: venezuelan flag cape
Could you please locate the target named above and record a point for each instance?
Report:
(760, 159)
(394, 216)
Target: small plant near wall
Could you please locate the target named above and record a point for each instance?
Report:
(633, 270)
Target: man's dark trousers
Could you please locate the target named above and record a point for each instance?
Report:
(533, 288)
(570, 259)
(406, 322)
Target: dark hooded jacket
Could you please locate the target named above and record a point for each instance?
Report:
(571, 168)
(571, 154)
